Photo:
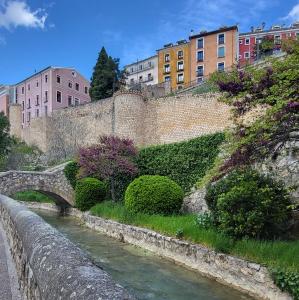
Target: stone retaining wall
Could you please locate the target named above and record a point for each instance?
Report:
(49, 266)
(243, 275)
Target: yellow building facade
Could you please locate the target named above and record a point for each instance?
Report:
(174, 64)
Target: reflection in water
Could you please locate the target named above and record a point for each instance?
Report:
(144, 274)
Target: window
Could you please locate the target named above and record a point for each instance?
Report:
(181, 78)
(166, 68)
(58, 96)
(37, 84)
(221, 51)
(74, 74)
(46, 110)
(28, 116)
(241, 42)
(23, 105)
(277, 39)
(23, 118)
(46, 96)
(180, 66)
(28, 87)
(86, 90)
(220, 66)
(167, 57)
(29, 103)
(37, 113)
(77, 86)
(258, 40)
(150, 64)
(200, 43)
(140, 78)
(70, 100)
(132, 70)
(246, 55)
(221, 38)
(167, 78)
(37, 100)
(199, 71)
(140, 67)
(200, 56)
(247, 41)
(77, 102)
(199, 79)
(46, 78)
(58, 79)
(180, 54)
(132, 81)
(23, 90)
(149, 77)
(70, 85)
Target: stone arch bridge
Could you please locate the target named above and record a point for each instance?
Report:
(51, 182)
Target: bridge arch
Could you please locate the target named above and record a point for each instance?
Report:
(53, 184)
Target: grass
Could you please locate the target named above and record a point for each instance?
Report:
(283, 254)
(32, 196)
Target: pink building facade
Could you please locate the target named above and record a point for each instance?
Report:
(4, 99)
(50, 89)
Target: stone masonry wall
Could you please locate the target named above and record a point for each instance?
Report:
(48, 265)
(127, 114)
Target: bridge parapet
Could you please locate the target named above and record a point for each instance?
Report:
(52, 182)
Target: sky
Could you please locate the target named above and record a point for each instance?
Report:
(35, 34)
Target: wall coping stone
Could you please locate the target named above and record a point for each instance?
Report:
(50, 266)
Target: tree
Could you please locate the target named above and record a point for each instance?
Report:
(4, 134)
(105, 77)
(111, 158)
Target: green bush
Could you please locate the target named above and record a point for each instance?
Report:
(70, 171)
(287, 280)
(247, 204)
(184, 162)
(154, 195)
(89, 191)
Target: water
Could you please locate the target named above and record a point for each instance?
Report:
(144, 274)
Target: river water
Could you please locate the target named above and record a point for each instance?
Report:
(141, 272)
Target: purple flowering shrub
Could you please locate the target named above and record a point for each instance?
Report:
(109, 160)
(275, 86)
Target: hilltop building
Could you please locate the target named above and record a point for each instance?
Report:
(249, 42)
(50, 89)
(144, 71)
(6, 96)
(174, 64)
(212, 51)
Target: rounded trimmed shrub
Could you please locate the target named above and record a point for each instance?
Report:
(89, 191)
(247, 204)
(154, 194)
(70, 171)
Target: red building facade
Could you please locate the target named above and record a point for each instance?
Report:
(248, 42)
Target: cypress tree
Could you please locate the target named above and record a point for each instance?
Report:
(105, 77)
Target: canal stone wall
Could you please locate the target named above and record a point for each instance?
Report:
(48, 265)
(243, 275)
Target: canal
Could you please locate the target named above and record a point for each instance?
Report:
(141, 272)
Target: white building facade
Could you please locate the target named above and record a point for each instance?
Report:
(144, 71)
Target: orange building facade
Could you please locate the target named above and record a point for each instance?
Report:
(174, 64)
(212, 51)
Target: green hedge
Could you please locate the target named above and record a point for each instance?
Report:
(154, 195)
(89, 191)
(184, 162)
(70, 171)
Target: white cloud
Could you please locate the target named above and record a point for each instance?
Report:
(293, 15)
(14, 13)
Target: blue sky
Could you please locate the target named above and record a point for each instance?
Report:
(37, 33)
